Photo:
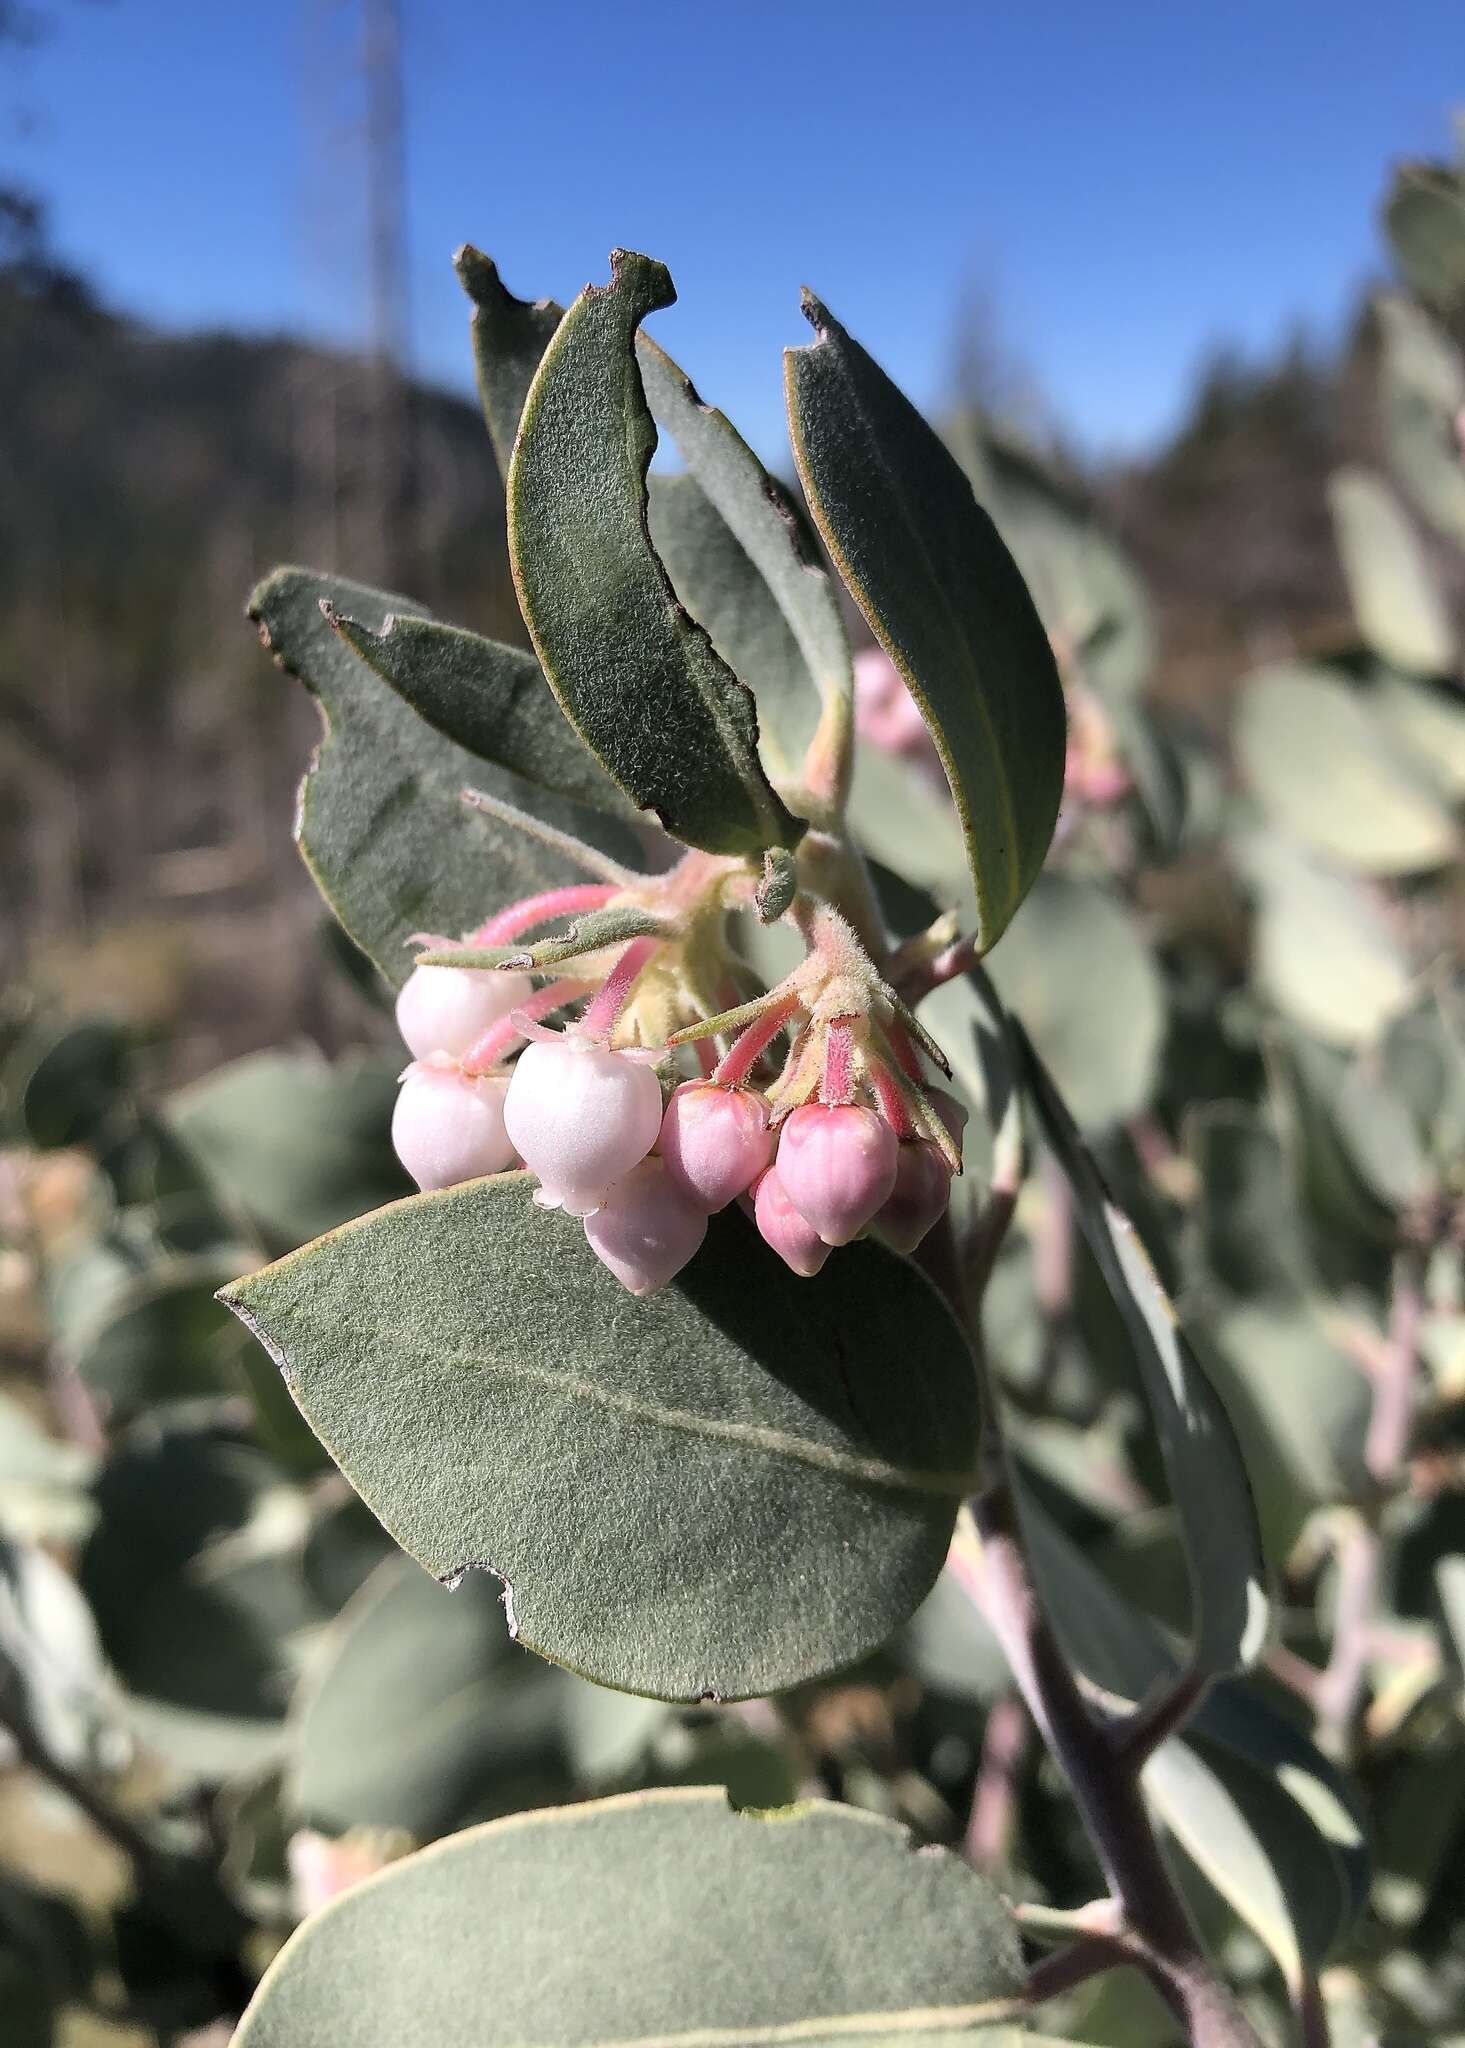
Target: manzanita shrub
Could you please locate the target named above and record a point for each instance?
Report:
(947, 1469)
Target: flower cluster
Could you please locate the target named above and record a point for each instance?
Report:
(808, 1104)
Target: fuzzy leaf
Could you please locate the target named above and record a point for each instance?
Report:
(636, 676)
(489, 699)
(1396, 600)
(1203, 1459)
(772, 533)
(945, 599)
(726, 594)
(655, 1916)
(381, 823)
(509, 338)
(764, 1470)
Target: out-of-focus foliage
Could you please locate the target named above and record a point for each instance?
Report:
(1242, 967)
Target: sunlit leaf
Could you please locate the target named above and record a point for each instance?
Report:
(636, 676)
(943, 596)
(651, 1917)
(764, 1469)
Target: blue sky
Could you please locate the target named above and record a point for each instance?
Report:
(1126, 181)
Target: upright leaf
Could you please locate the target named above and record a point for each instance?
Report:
(509, 338)
(634, 673)
(727, 595)
(1203, 1459)
(1395, 597)
(658, 1916)
(771, 531)
(1422, 388)
(743, 1482)
(381, 822)
(943, 596)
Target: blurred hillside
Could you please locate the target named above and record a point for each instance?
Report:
(146, 481)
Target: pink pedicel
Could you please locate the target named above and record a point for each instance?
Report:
(919, 1198)
(837, 1165)
(580, 1116)
(448, 1128)
(448, 1009)
(646, 1229)
(784, 1230)
(715, 1141)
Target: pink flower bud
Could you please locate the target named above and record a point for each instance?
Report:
(837, 1164)
(715, 1141)
(447, 1127)
(781, 1226)
(581, 1116)
(919, 1198)
(448, 1009)
(646, 1229)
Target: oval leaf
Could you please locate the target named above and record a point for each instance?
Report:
(943, 596)
(741, 1483)
(1319, 761)
(1395, 598)
(381, 823)
(634, 673)
(659, 1916)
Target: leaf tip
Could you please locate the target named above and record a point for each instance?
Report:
(642, 276)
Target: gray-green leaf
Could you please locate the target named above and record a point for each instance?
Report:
(490, 699)
(1203, 1459)
(381, 823)
(944, 597)
(509, 338)
(655, 1916)
(634, 673)
(739, 1484)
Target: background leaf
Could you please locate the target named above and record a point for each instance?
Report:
(1320, 763)
(764, 1470)
(1207, 1473)
(509, 338)
(1395, 597)
(943, 596)
(298, 1143)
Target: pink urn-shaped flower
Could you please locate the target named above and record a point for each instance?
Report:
(580, 1116)
(784, 1230)
(715, 1141)
(448, 1126)
(448, 1009)
(646, 1229)
(837, 1164)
